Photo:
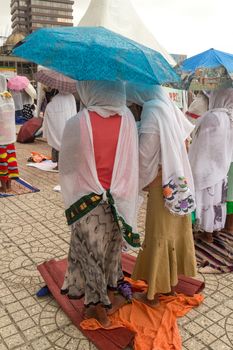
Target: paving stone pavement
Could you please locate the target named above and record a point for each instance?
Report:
(33, 229)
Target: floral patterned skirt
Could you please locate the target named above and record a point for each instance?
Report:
(211, 208)
(94, 259)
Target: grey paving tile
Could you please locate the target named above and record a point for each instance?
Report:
(220, 345)
(33, 229)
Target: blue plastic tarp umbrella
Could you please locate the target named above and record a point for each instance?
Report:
(95, 53)
(209, 70)
(209, 59)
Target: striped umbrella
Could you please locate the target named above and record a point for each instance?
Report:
(56, 80)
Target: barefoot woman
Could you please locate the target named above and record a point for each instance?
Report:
(211, 154)
(168, 248)
(99, 183)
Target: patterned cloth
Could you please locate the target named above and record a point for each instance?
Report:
(8, 163)
(211, 208)
(87, 203)
(94, 259)
(27, 112)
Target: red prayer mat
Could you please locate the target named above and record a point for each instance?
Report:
(186, 285)
(53, 274)
(116, 339)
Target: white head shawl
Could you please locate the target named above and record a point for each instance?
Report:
(103, 97)
(199, 106)
(211, 151)
(3, 83)
(222, 99)
(26, 98)
(58, 111)
(7, 115)
(161, 116)
(77, 167)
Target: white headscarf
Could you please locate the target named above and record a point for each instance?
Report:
(78, 174)
(161, 116)
(26, 98)
(3, 83)
(222, 99)
(7, 115)
(199, 106)
(112, 102)
(58, 111)
(17, 97)
(211, 151)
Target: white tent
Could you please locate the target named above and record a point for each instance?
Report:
(121, 17)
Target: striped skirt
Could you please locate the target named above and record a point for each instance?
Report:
(8, 163)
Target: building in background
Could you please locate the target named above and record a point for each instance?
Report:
(29, 15)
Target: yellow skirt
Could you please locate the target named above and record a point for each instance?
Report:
(168, 249)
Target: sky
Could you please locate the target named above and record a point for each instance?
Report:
(180, 26)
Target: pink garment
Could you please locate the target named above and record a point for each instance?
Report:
(105, 138)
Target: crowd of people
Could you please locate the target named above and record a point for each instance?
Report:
(113, 162)
(107, 164)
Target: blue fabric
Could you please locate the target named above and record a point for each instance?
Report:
(95, 53)
(43, 292)
(19, 119)
(209, 59)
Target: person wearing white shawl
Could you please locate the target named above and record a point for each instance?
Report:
(99, 184)
(168, 248)
(210, 157)
(8, 163)
(198, 107)
(58, 111)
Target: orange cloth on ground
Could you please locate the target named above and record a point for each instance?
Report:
(155, 328)
(105, 138)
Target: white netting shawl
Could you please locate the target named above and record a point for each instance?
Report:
(7, 115)
(161, 116)
(211, 151)
(78, 174)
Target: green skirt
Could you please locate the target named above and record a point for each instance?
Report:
(193, 215)
(229, 208)
(230, 191)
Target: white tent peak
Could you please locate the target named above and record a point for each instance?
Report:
(121, 17)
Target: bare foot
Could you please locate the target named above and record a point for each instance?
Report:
(205, 236)
(117, 302)
(102, 316)
(99, 313)
(225, 230)
(172, 293)
(89, 312)
(8, 185)
(142, 297)
(3, 187)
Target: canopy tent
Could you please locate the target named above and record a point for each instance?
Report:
(121, 17)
